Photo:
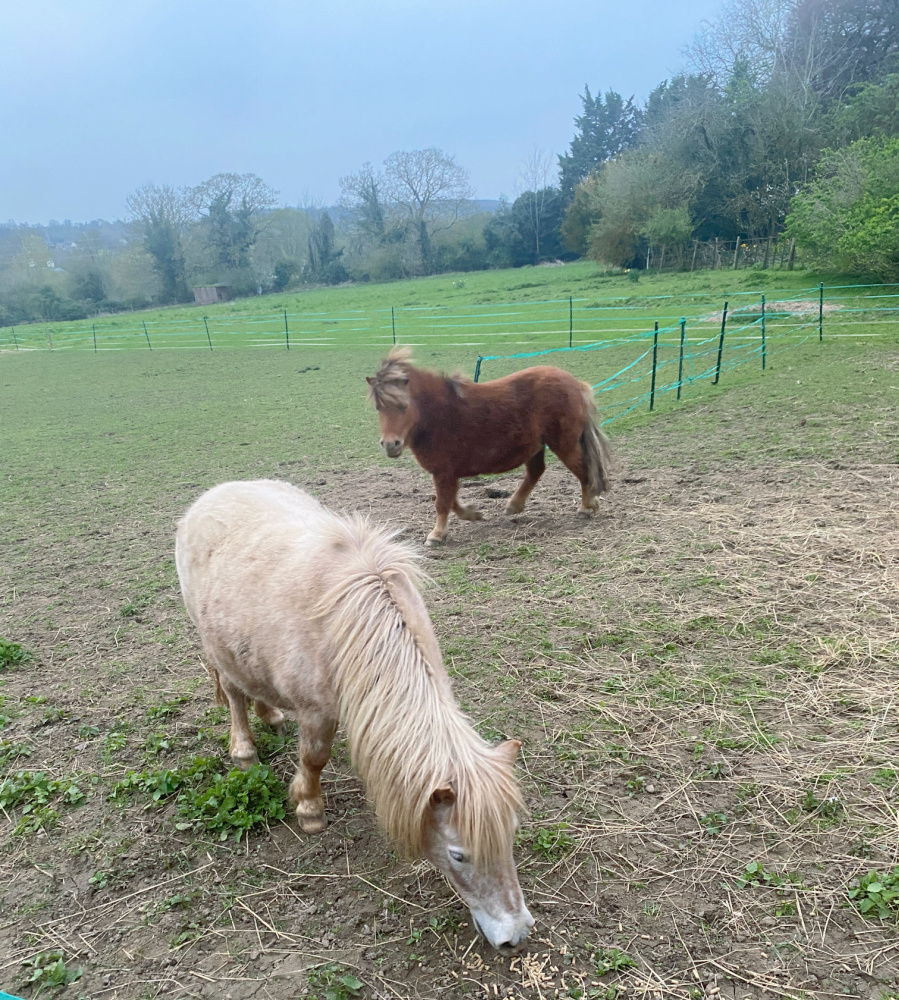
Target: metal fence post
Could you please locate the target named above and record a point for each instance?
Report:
(570, 319)
(720, 346)
(15, 339)
(393, 327)
(286, 331)
(477, 368)
(655, 353)
(821, 312)
(147, 335)
(680, 361)
(207, 333)
(94, 328)
(763, 333)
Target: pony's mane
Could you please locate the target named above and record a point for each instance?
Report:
(407, 735)
(388, 387)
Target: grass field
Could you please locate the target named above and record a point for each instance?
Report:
(490, 312)
(703, 676)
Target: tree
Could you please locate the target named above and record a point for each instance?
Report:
(361, 193)
(669, 229)
(537, 218)
(606, 127)
(160, 216)
(848, 218)
(428, 191)
(231, 207)
(538, 210)
(323, 263)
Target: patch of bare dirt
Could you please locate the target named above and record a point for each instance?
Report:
(703, 675)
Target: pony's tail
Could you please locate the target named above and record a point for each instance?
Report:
(595, 447)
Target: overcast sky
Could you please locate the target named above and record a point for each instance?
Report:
(100, 96)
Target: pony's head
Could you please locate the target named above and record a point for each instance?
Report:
(468, 836)
(389, 390)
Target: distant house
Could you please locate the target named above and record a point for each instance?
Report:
(206, 295)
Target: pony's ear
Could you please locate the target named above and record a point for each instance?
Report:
(508, 751)
(443, 798)
(371, 379)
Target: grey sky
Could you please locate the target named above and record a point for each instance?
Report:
(100, 96)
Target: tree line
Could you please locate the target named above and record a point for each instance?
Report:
(785, 120)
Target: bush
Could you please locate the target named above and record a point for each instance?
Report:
(848, 219)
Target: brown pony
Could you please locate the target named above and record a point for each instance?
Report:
(456, 428)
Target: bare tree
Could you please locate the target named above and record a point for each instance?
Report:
(537, 197)
(429, 191)
(161, 215)
(751, 30)
(362, 194)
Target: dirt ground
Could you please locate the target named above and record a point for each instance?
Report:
(704, 677)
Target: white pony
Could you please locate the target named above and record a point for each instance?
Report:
(304, 610)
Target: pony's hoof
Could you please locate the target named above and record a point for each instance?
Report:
(432, 540)
(586, 512)
(513, 508)
(244, 760)
(312, 824)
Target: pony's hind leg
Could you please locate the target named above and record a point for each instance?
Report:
(242, 748)
(466, 513)
(533, 470)
(573, 457)
(271, 716)
(316, 736)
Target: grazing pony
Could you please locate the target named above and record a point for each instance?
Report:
(456, 428)
(304, 610)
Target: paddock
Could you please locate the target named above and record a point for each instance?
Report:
(704, 677)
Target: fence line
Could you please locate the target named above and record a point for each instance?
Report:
(534, 327)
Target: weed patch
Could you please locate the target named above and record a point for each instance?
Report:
(877, 896)
(12, 654)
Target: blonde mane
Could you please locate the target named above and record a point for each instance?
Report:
(407, 735)
(388, 387)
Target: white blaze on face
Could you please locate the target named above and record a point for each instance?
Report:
(492, 894)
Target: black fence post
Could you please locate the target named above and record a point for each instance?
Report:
(207, 333)
(680, 360)
(50, 340)
(763, 333)
(94, 328)
(15, 339)
(821, 312)
(720, 346)
(393, 327)
(477, 368)
(570, 319)
(286, 331)
(147, 335)
(655, 353)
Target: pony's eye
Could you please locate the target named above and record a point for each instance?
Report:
(458, 856)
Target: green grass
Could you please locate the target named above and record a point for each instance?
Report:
(520, 309)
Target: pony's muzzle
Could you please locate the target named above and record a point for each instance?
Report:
(393, 447)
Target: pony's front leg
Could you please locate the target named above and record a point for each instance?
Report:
(316, 736)
(445, 488)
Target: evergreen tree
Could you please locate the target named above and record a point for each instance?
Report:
(608, 126)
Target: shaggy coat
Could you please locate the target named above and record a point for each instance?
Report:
(300, 609)
(456, 428)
